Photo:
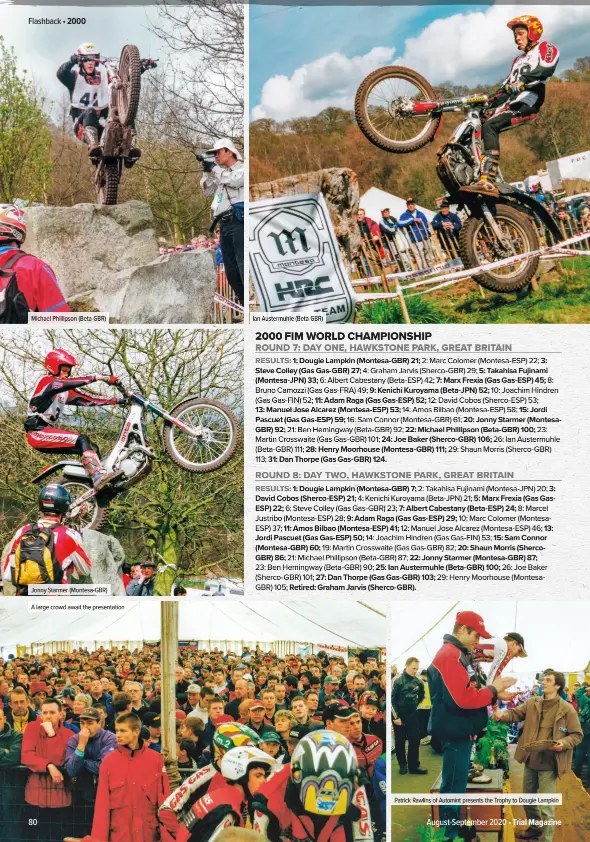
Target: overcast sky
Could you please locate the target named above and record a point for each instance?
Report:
(304, 59)
(40, 49)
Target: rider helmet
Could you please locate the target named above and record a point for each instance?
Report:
(533, 26)
(54, 498)
(88, 52)
(232, 735)
(57, 358)
(324, 771)
(236, 763)
(12, 224)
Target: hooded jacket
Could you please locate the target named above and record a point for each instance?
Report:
(131, 787)
(459, 708)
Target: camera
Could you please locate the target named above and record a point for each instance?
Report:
(207, 161)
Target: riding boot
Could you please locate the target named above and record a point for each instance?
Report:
(99, 475)
(91, 138)
(487, 180)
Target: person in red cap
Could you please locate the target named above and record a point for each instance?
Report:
(459, 708)
(256, 719)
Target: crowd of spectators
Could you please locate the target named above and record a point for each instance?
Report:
(59, 714)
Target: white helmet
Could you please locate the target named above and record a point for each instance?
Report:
(88, 51)
(236, 762)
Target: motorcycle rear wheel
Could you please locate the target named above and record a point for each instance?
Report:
(215, 448)
(477, 246)
(128, 93)
(107, 187)
(93, 516)
(377, 122)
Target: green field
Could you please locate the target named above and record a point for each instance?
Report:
(563, 297)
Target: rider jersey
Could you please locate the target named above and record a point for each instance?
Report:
(51, 394)
(69, 551)
(533, 69)
(85, 91)
(36, 281)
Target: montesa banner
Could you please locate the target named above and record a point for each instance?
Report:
(295, 260)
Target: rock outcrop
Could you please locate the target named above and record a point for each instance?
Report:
(341, 192)
(106, 259)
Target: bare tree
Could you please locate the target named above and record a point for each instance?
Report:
(202, 87)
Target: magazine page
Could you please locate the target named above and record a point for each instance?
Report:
(419, 253)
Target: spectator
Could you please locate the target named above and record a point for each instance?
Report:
(132, 785)
(44, 753)
(193, 696)
(256, 717)
(11, 798)
(224, 180)
(418, 231)
(368, 748)
(19, 713)
(372, 721)
(406, 695)
(583, 749)
(240, 693)
(447, 224)
(84, 754)
(144, 584)
(135, 691)
(546, 717)
(336, 717)
(284, 721)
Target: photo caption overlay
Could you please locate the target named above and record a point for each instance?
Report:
(398, 460)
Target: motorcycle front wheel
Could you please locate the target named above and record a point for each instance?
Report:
(107, 181)
(381, 108)
(91, 514)
(479, 245)
(128, 93)
(213, 439)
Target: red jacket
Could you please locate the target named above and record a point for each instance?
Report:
(37, 283)
(131, 787)
(38, 751)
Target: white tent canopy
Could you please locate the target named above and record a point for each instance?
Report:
(556, 634)
(374, 200)
(221, 619)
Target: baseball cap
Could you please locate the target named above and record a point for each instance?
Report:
(369, 698)
(152, 719)
(148, 563)
(225, 143)
(445, 203)
(193, 688)
(410, 201)
(67, 693)
(90, 713)
(337, 710)
(474, 621)
(331, 679)
(298, 731)
(270, 737)
(518, 638)
(255, 704)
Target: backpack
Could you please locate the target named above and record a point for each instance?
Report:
(35, 562)
(14, 309)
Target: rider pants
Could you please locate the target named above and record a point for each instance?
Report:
(54, 440)
(232, 249)
(89, 117)
(507, 117)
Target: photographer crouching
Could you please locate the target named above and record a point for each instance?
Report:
(223, 179)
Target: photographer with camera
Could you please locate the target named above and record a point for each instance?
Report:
(223, 178)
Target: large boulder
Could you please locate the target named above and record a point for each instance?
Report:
(173, 289)
(87, 245)
(341, 191)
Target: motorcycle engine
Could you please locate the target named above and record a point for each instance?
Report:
(134, 461)
(456, 167)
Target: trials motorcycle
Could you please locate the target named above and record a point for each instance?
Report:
(119, 131)
(199, 435)
(398, 111)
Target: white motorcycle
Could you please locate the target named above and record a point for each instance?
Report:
(398, 111)
(199, 435)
